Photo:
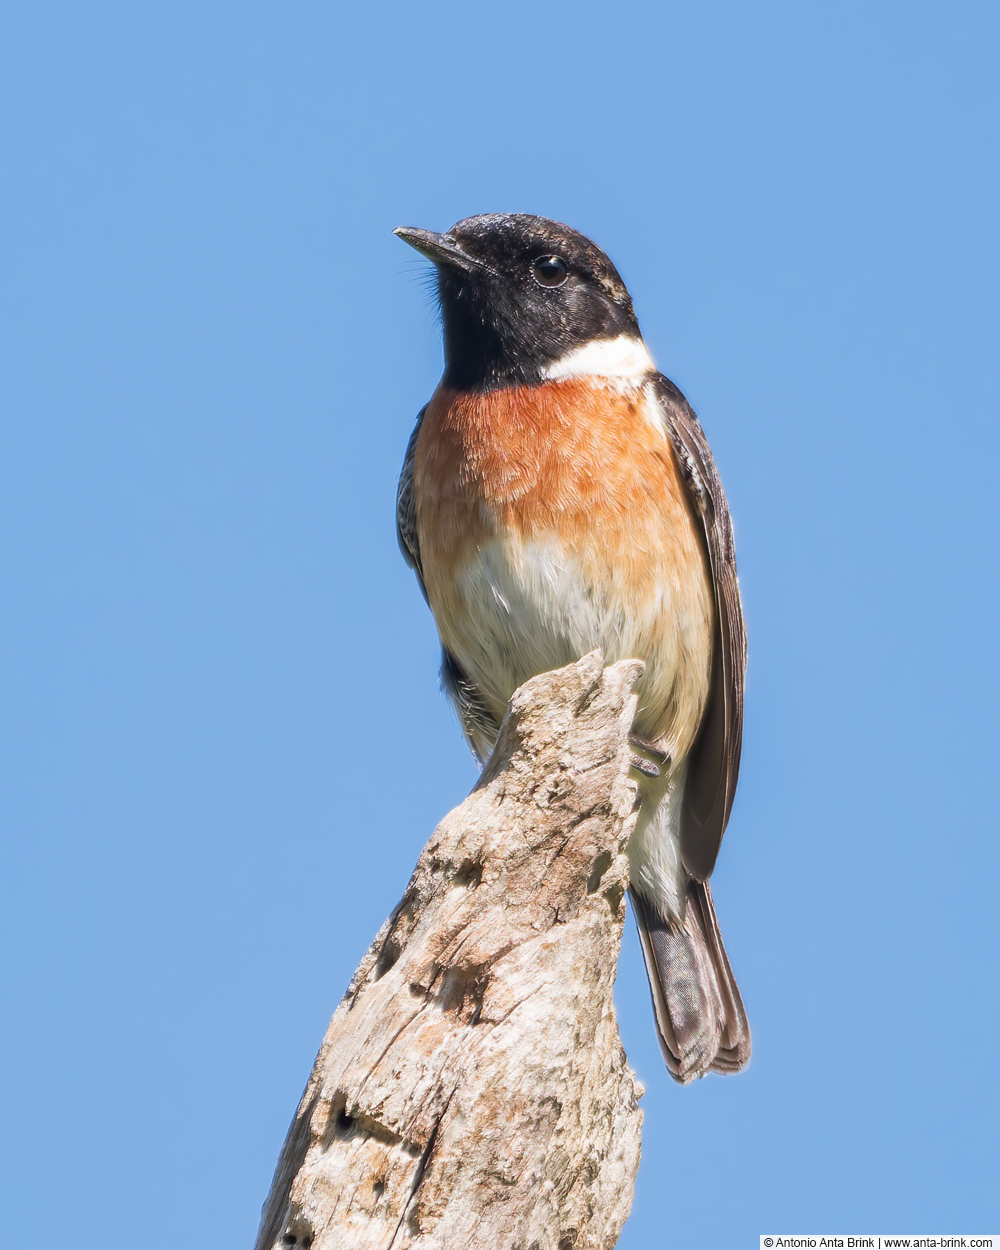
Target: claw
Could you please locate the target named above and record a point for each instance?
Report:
(647, 758)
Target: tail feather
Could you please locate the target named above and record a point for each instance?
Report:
(699, 1014)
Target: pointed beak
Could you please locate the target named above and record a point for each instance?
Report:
(438, 248)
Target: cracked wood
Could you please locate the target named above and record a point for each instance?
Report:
(472, 1090)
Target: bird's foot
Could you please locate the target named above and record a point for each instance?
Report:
(647, 758)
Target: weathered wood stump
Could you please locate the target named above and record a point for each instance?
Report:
(472, 1090)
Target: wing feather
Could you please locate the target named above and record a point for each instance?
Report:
(714, 760)
(406, 508)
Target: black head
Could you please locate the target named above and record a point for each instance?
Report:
(518, 293)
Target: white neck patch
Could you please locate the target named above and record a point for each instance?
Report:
(623, 360)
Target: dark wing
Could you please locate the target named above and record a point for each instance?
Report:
(478, 724)
(714, 760)
(406, 511)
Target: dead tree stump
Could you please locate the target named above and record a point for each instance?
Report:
(472, 1091)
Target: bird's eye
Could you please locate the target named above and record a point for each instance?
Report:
(549, 271)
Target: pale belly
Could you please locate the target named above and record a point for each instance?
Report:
(521, 606)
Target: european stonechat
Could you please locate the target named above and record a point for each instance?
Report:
(558, 495)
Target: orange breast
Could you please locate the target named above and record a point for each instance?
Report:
(509, 484)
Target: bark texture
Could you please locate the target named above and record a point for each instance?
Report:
(472, 1090)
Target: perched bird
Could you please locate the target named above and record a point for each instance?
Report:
(558, 495)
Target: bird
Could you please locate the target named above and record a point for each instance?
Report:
(558, 495)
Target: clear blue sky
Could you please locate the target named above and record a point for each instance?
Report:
(223, 739)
